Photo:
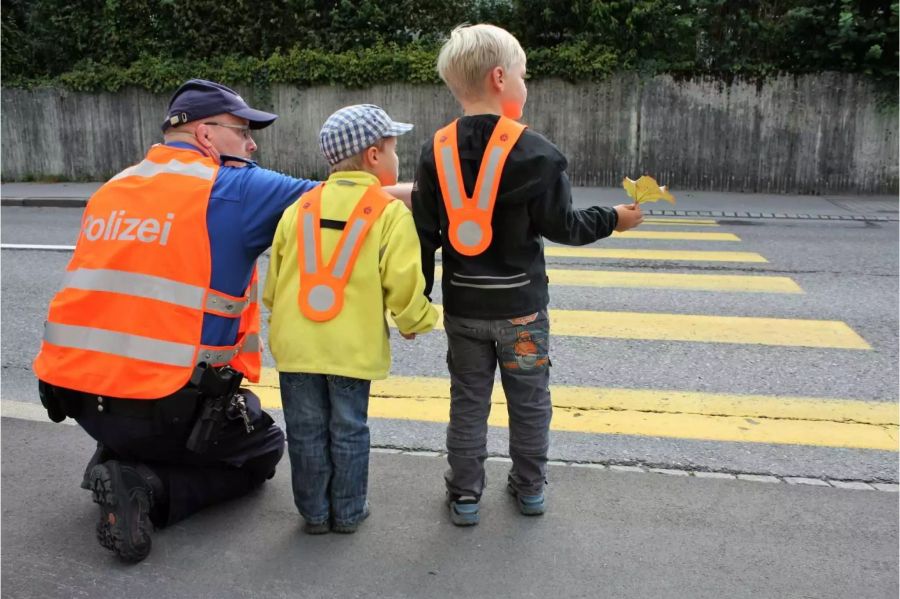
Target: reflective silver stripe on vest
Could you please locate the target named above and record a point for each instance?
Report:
(220, 303)
(216, 355)
(147, 168)
(310, 260)
(150, 287)
(219, 355)
(250, 344)
(450, 176)
(139, 285)
(254, 292)
(120, 344)
(490, 173)
(347, 249)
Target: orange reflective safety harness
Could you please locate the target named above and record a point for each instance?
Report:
(321, 295)
(127, 321)
(470, 218)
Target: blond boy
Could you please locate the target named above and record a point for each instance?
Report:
(487, 191)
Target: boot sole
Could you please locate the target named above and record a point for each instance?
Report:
(113, 525)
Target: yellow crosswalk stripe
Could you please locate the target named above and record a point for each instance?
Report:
(660, 280)
(657, 413)
(789, 332)
(642, 254)
(676, 236)
(692, 222)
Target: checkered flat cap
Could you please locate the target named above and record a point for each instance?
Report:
(352, 129)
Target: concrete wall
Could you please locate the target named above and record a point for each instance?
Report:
(811, 134)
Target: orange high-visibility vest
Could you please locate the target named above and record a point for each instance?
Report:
(250, 347)
(128, 319)
(470, 229)
(321, 295)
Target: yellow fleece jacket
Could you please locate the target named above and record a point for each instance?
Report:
(387, 276)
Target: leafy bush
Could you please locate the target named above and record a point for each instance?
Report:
(156, 44)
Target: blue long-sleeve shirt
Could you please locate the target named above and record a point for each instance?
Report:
(244, 209)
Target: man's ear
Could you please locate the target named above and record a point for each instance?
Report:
(201, 134)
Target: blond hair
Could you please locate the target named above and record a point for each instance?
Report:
(470, 54)
(356, 162)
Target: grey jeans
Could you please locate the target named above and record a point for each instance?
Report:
(521, 347)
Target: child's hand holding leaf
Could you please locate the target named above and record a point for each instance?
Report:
(646, 189)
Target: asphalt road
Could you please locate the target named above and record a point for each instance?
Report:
(846, 269)
(608, 532)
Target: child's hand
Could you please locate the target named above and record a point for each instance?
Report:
(630, 216)
(408, 335)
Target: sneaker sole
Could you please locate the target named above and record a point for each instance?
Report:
(110, 531)
(316, 529)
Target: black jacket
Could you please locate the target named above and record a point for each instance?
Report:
(534, 200)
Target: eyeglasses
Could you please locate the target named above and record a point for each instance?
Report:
(244, 129)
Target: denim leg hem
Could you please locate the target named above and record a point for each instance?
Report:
(314, 520)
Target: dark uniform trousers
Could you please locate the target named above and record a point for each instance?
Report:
(236, 463)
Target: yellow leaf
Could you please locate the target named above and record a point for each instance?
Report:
(646, 189)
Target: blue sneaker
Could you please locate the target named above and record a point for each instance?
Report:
(463, 510)
(529, 505)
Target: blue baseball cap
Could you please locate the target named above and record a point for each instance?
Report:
(198, 98)
(352, 129)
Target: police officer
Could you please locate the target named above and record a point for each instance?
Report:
(157, 315)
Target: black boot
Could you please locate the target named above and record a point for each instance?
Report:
(102, 454)
(126, 494)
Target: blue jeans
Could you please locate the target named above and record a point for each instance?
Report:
(328, 443)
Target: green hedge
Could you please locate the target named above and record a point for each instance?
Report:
(156, 44)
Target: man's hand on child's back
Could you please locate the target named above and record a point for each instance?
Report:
(630, 216)
(408, 335)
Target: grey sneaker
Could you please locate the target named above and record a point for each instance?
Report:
(463, 510)
(529, 505)
(316, 528)
(349, 529)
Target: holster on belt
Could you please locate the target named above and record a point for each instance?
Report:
(217, 386)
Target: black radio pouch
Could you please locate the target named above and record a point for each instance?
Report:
(54, 402)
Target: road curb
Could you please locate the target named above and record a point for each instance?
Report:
(45, 202)
(772, 215)
(51, 202)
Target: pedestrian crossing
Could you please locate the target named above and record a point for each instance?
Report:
(671, 413)
(788, 332)
(657, 413)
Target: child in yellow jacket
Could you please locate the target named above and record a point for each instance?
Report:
(342, 254)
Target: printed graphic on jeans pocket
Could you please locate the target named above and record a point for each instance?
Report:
(527, 352)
